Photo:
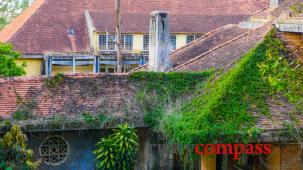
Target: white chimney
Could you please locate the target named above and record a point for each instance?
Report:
(159, 43)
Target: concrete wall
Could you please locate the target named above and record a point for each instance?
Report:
(82, 144)
(208, 162)
(291, 157)
(69, 69)
(33, 66)
(180, 40)
(138, 41)
(273, 160)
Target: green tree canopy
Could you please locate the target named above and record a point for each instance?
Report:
(10, 9)
(8, 66)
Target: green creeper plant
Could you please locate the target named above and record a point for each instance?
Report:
(119, 150)
(224, 111)
(8, 66)
(156, 90)
(55, 81)
(14, 153)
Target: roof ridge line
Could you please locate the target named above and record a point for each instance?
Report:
(261, 10)
(69, 75)
(16, 24)
(217, 47)
(203, 37)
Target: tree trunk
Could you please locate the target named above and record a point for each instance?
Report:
(118, 35)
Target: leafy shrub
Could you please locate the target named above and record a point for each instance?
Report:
(156, 90)
(22, 115)
(55, 81)
(102, 118)
(118, 151)
(94, 120)
(14, 153)
(89, 118)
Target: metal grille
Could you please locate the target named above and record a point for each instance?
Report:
(173, 42)
(111, 42)
(128, 42)
(146, 42)
(190, 38)
(102, 42)
(54, 150)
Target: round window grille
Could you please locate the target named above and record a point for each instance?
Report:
(54, 150)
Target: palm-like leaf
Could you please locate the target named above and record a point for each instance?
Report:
(119, 150)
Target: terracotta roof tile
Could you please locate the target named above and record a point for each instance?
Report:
(46, 30)
(78, 94)
(205, 43)
(222, 54)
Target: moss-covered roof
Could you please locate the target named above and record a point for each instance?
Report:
(263, 91)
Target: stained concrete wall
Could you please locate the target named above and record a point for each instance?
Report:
(82, 144)
(159, 42)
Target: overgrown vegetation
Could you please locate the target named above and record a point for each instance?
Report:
(8, 66)
(224, 112)
(157, 90)
(55, 81)
(14, 153)
(285, 77)
(25, 109)
(94, 120)
(119, 150)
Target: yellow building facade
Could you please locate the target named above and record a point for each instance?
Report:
(137, 45)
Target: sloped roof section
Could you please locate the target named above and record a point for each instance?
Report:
(216, 49)
(45, 29)
(179, 23)
(222, 54)
(108, 94)
(205, 43)
(17, 23)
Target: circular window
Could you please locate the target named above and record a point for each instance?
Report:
(54, 150)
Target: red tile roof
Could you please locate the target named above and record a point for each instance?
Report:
(225, 49)
(45, 26)
(75, 95)
(216, 49)
(108, 94)
(205, 43)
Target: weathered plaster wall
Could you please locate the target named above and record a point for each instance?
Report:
(33, 66)
(69, 69)
(291, 157)
(82, 144)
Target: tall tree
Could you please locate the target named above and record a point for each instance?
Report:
(8, 66)
(118, 35)
(9, 9)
